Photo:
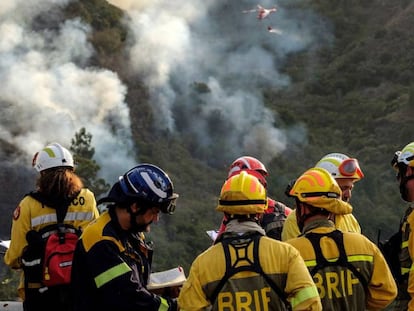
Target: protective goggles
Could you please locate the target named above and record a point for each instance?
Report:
(350, 168)
(168, 207)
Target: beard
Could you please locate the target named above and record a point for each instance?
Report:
(139, 227)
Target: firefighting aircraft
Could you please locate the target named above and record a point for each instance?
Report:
(261, 11)
(274, 30)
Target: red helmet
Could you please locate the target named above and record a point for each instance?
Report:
(247, 163)
(252, 165)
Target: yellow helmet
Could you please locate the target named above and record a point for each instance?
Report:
(318, 188)
(242, 194)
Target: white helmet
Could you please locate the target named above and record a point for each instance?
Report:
(406, 155)
(53, 155)
(341, 166)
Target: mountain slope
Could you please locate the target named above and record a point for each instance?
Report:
(351, 92)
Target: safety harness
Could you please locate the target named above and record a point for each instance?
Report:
(241, 244)
(322, 262)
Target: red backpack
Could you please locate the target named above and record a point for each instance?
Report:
(47, 259)
(58, 255)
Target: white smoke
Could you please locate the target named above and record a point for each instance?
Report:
(47, 94)
(178, 43)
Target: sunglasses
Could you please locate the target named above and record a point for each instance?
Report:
(350, 167)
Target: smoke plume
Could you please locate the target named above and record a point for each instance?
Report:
(47, 94)
(206, 64)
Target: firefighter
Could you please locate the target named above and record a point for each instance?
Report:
(244, 269)
(112, 261)
(58, 187)
(347, 172)
(275, 215)
(403, 163)
(349, 270)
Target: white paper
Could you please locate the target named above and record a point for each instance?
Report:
(212, 234)
(5, 243)
(167, 278)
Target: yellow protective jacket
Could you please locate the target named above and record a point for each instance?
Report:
(405, 262)
(345, 223)
(408, 244)
(30, 214)
(338, 286)
(247, 290)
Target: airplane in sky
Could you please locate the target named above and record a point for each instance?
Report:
(261, 11)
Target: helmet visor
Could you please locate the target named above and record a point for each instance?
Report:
(350, 168)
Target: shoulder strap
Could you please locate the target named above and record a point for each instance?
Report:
(61, 210)
(240, 245)
(321, 261)
(281, 207)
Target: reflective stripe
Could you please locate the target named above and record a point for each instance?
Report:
(31, 263)
(351, 258)
(51, 218)
(303, 295)
(354, 258)
(163, 305)
(79, 216)
(44, 219)
(111, 274)
(404, 244)
(47, 234)
(34, 285)
(310, 263)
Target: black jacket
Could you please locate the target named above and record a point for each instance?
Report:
(111, 269)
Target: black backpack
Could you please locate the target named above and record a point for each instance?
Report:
(391, 249)
(273, 222)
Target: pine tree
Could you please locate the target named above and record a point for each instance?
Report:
(86, 166)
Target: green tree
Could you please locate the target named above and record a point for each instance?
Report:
(86, 166)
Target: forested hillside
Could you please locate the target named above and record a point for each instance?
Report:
(200, 84)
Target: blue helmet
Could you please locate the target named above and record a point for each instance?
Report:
(147, 184)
